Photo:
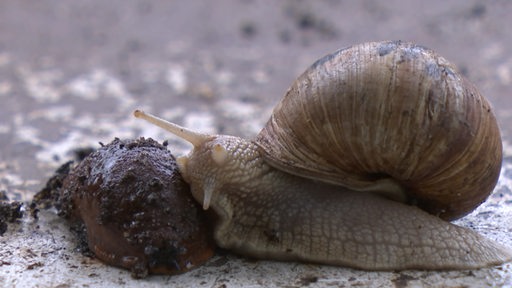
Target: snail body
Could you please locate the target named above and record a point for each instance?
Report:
(330, 177)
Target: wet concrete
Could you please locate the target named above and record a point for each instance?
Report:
(71, 73)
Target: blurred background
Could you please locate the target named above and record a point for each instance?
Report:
(72, 72)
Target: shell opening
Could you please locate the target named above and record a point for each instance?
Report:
(195, 138)
(388, 188)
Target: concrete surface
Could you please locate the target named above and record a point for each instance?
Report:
(71, 72)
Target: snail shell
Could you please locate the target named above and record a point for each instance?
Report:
(379, 119)
(391, 117)
(137, 210)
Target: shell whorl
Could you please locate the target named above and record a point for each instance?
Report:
(389, 111)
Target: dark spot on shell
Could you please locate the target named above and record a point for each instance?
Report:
(414, 52)
(388, 47)
(407, 51)
(321, 61)
(128, 178)
(156, 184)
(327, 58)
(433, 71)
(448, 71)
(436, 71)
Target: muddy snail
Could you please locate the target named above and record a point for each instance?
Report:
(363, 143)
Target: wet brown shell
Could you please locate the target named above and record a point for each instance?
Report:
(389, 110)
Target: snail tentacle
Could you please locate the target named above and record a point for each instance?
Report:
(190, 136)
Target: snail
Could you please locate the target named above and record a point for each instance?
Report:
(136, 210)
(372, 149)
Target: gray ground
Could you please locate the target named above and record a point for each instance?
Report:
(71, 73)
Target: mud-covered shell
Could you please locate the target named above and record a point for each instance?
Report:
(389, 110)
(137, 210)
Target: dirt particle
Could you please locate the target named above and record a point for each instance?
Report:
(307, 280)
(307, 21)
(34, 265)
(478, 11)
(10, 212)
(81, 153)
(49, 196)
(402, 280)
(248, 30)
(3, 196)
